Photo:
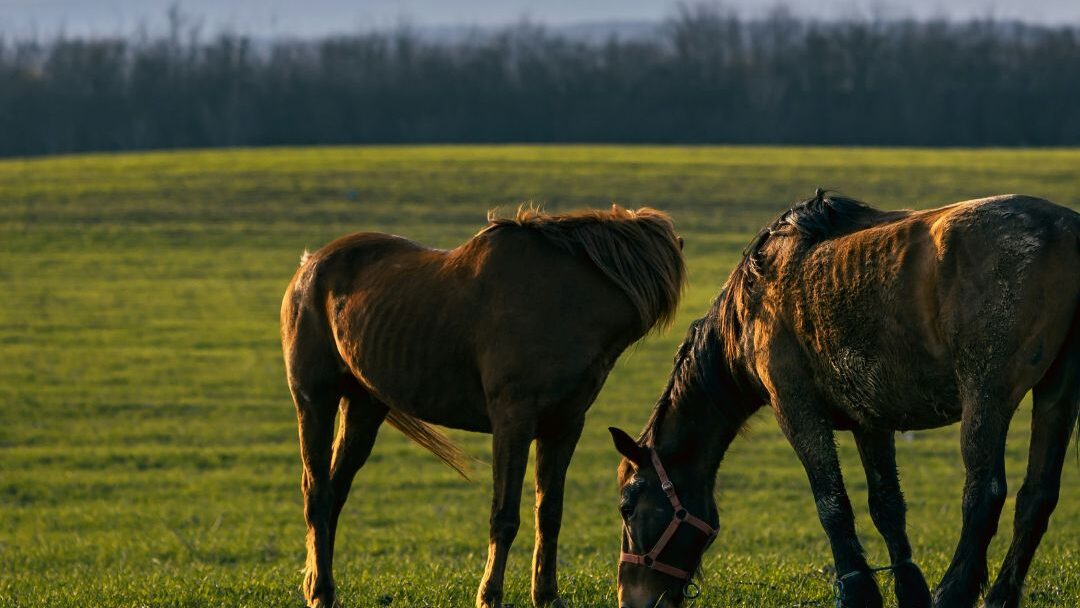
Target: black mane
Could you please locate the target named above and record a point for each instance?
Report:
(701, 372)
(706, 364)
(816, 219)
(819, 218)
(688, 371)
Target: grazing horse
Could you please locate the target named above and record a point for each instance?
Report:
(843, 317)
(512, 333)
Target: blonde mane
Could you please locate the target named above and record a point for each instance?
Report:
(637, 250)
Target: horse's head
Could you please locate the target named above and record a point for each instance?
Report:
(669, 519)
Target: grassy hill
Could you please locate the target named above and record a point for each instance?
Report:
(148, 451)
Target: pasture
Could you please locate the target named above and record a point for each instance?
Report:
(148, 452)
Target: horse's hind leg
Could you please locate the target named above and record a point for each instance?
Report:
(554, 449)
(888, 510)
(314, 371)
(361, 416)
(986, 413)
(316, 405)
(1056, 400)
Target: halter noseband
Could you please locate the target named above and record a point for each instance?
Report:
(679, 517)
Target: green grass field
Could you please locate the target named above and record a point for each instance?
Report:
(148, 452)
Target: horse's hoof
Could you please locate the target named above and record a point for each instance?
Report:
(911, 588)
(323, 600)
(858, 591)
(319, 592)
(953, 598)
(992, 601)
(548, 600)
(1002, 595)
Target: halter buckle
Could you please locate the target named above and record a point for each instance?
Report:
(691, 591)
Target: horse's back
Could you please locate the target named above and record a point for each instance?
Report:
(900, 313)
(1008, 257)
(340, 267)
(437, 334)
(334, 265)
(1008, 287)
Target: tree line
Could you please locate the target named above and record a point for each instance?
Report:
(707, 76)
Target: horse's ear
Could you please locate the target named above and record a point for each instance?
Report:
(626, 446)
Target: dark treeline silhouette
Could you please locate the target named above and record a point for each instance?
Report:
(708, 76)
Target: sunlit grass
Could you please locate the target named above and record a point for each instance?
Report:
(147, 442)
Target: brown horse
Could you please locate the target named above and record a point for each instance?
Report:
(842, 317)
(513, 333)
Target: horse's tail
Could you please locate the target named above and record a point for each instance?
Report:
(431, 440)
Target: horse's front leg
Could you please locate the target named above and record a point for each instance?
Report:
(511, 438)
(812, 437)
(888, 510)
(554, 450)
(983, 429)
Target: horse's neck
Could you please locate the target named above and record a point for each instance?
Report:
(708, 412)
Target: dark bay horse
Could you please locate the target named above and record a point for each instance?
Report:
(513, 333)
(843, 317)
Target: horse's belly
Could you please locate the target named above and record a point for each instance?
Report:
(921, 410)
(880, 395)
(461, 415)
(436, 386)
(421, 398)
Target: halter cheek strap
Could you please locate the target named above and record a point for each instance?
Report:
(680, 517)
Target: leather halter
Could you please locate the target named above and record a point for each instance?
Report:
(679, 517)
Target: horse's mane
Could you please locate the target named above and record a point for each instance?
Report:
(695, 369)
(819, 218)
(637, 250)
(705, 361)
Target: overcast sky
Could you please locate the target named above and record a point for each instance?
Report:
(310, 17)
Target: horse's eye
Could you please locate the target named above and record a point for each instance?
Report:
(627, 511)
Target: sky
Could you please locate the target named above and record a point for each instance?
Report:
(315, 17)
